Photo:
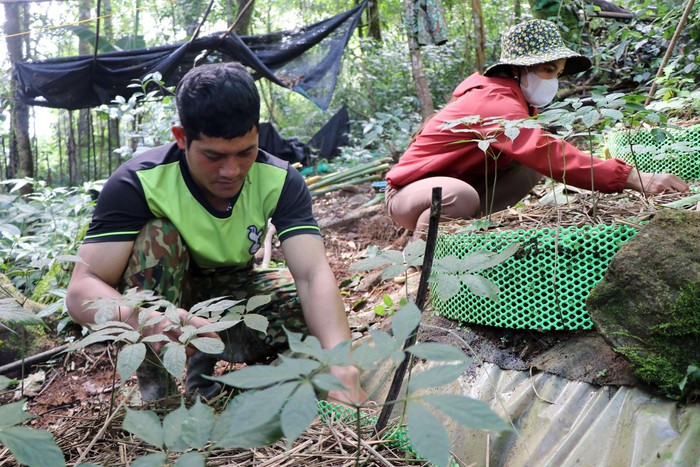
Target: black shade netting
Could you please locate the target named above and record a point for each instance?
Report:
(306, 60)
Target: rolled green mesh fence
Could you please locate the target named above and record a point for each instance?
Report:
(544, 285)
(675, 151)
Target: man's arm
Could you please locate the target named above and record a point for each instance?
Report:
(97, 278)
(323, 308)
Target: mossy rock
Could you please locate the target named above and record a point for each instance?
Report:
(648, 304)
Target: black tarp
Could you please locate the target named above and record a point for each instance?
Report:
(324, 144)
(306, 60)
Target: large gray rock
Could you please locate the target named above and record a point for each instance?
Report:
(648, 304)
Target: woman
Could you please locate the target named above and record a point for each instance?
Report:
(478, 180)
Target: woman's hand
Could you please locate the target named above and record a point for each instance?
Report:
(655, 183)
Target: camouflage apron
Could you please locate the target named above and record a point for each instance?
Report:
(160, 261)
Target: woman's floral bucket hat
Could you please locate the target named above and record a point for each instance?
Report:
(534, 42)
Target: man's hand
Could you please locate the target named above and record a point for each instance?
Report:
(655, 183)
(174, 332)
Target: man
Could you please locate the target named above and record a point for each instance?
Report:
(185, 220)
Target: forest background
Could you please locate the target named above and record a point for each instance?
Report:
(387, 82)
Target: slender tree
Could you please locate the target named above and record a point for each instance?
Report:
(420, 81)
(375, 31)
(479, 35)
(21, 162)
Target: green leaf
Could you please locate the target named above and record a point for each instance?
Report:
(213, 306)
(327, 382)
(414, 251)
(256, 322)
(208, 345)
(471, 413)
(379, 310)
(310, 346)
(130, 357)
(174, 359)
(384, 258)
(13, 414)
(199, 425)
(175, 436)
(393, 271)
(257, 301)
(300, 410)
(405, 321)
(590, 118)
(428, 436)
(261, 375)
(191, 459)
(87, 35)
(35, 448)
(447, 286)
(614, 114)
(216, 327)
(436, 376)
(144, 424)
(438, 352)
(483, 259)
(252, 418)
(4, 384)
(387, 300)
(12, 312)
(480, 286)
(157, 459)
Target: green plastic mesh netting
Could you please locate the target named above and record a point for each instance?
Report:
(544, 285)
(675, 151)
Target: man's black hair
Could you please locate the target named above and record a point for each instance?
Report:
(218, 100)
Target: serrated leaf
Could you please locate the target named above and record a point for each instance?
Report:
(327, 382)
(216, 327)
(257, 301)
(437, 352)
(259, 376)
(480, 286)
(174, 434)
(300, 410)
(385, 258)
(384, 344)
(144, 424)
(414, 250)
(174, 359)
(450, 264)
(213, 306)
(13, 414)
(173, 315)
(614, 114)
(405, 321)
(393, 271)
(310, 346)
(446, 286)
(468, 412)
(428, 436)
(129, 359)
(483, 259)
(208, 345)
(199, 425)
(256, 322)
(252, 418)
(156, 338)
(590, 118)
(191, 459)
(436, 376)
(157, 459)
(35, 448)
(12, 312)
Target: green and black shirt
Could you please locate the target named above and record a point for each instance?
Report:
(158, 184)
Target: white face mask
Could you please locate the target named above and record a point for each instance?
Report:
(538, 91)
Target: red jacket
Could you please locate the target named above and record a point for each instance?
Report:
(438, 152)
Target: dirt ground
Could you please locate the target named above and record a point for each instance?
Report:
(76, 388)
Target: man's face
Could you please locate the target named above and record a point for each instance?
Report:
(219, 166)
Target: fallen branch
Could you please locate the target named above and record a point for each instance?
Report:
(34, 359)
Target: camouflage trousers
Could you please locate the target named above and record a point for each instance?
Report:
(160, 261)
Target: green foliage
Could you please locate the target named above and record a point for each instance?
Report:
(39, 230)
(35, 448)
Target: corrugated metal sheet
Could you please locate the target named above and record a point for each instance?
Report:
(563, 423)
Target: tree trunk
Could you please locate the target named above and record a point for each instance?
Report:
(422, 90)
(517, 10)
(73, 159)
(83, 146)
(113, 123)
(479, 36)
(375, 31)
(243, 26)
(21, 163)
